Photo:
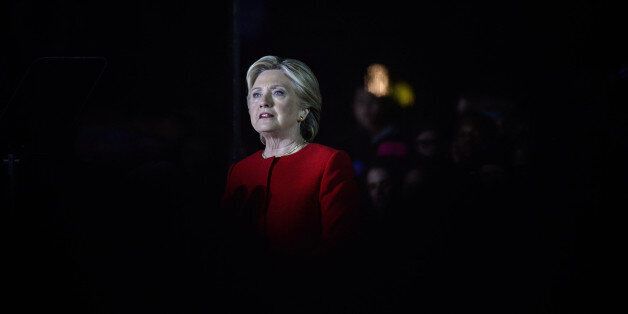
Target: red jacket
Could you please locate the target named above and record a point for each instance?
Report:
(304, 203)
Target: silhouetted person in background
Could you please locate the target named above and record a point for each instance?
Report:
(383, 183)
(429, 160)
(378, 131)
(476, 149)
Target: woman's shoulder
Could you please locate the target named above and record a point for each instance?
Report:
(329, 159)
(325, 152)
(324, 149)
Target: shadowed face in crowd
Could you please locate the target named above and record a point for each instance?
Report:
(426, 144)
(366, 110)
(474, 135)
(380, 186)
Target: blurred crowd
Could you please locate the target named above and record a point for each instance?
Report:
(450, 208)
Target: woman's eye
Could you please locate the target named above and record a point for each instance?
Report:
(256, 95)
(279, 93)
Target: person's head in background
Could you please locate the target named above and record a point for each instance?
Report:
(474, 140)
(372, 103)
(372, 113)
(284, 100)
(428, 141)
(383, 184)
(429, 152)
(491, 104)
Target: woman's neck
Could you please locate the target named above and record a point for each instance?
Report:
(282, 147)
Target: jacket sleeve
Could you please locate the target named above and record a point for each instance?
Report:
(339, 204)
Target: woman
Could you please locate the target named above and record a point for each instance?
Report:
(294, 197)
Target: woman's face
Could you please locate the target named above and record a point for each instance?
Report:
(273, 104)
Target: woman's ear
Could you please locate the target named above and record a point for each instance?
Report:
(304, 112)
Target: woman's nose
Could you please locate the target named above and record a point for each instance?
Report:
(266, 101)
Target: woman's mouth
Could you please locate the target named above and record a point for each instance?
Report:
(265, 115)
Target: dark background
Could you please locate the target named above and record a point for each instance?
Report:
(116, 216)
